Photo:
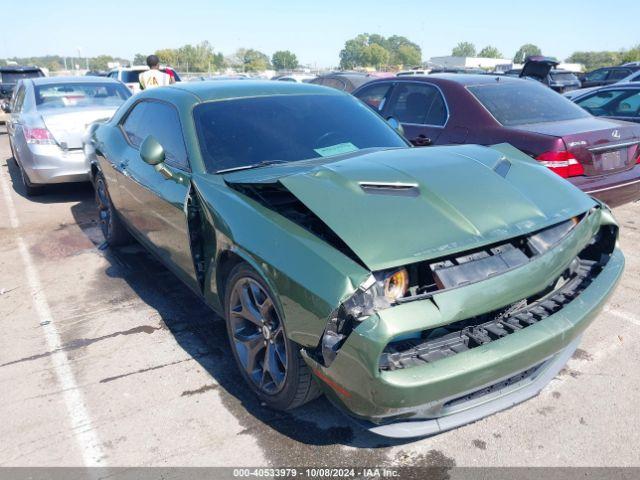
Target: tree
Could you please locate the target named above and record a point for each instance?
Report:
(631, 55)
(374, 50)
(490, 52)
(377, 55)
(284, 60)
(593, 60)
(464, 49)
(101, 62)
(139, 59)
(403, 52)
(525, 51)
(249, 60)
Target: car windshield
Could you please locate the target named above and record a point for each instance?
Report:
(523, 102)
(80, 95)
(622, 103)
(243, 132)
(563, 76)
(13, 77)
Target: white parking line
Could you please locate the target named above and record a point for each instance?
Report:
(622, 315)
(81, 425)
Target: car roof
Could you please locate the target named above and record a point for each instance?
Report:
(63, 80)
(225, 89)
(19, 68)
(464, 79)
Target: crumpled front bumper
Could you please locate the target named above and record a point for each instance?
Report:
(430, 398)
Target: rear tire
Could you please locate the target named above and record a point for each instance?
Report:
(30, 189)
(268, 360)
(114, 231)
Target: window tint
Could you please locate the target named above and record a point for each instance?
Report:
(130, 76)
(618, 74)
(133, 125)
(8, 76)
(375, 95)
(418, 103)
(20, 94)
(288, 128)
(161, 121)
(523, 102)
(619, 103)
(597, 75)
(334, 83)
(80, 95)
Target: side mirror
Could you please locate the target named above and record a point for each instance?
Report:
(396, 125)
(6, 108)
(151, 151)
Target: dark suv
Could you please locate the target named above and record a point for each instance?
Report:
(10, 75)
(606, 75)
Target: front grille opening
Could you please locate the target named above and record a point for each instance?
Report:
(427, 278)
(454, 338)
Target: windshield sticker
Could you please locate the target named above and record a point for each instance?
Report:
(338, 149)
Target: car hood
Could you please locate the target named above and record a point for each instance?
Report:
(400, 206)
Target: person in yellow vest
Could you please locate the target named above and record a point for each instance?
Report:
(153, 77)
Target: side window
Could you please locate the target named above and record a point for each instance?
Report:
(19, 100)
(418, 103)
(375, 95)
(618, 74)
(597, 75)
(162, 121)
(334, 83)
(133, 125)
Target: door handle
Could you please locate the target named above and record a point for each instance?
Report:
(421, 141)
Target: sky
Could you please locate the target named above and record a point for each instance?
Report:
(314, 30)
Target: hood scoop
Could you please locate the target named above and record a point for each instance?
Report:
(395, 189)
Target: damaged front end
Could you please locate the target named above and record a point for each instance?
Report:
(435, 338)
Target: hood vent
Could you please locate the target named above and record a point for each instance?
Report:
(395, 189)
(276, 197)
(502, 167)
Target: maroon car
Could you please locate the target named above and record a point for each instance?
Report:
(600, 156)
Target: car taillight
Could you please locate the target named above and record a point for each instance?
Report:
(38, 136)
(563, 163)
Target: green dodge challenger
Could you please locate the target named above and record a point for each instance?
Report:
(419, 289)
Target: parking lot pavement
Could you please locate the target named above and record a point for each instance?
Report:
(106, 359)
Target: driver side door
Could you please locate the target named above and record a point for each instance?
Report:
(151, 202)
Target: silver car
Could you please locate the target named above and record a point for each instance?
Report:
(48, 118)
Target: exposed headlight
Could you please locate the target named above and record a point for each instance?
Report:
(396, 284)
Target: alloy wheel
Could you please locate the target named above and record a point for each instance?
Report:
(257, 335)
(104, 208)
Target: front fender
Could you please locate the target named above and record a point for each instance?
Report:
(309, 277)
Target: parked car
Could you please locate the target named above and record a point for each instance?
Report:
(634, 77)
(130, 76)
(392, 278)
(343, 81)
(620, 102)
(606, 76)
(411, 73)
(596, 154)
(295, 77)
(543, 69)
(9, 77)
(48, 117)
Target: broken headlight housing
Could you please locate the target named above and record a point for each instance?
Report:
(381, 290)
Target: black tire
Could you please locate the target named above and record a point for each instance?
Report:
(32, 190)
(297, 386)
(114, 231)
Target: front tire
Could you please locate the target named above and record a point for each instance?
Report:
(114, 231)
(269, 362)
